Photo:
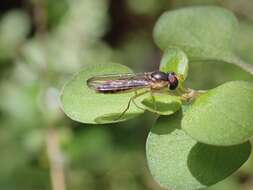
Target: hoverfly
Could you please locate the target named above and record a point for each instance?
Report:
(119, 83)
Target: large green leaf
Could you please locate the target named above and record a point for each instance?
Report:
(188, 29)
(85, 105)
(178, 162)
(201, 31)
(222, 116)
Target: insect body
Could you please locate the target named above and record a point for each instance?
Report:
(119, 83)
(115, 83)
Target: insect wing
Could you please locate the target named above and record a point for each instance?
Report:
(118, 82)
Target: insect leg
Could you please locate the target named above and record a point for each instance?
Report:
(153, 99)
(132, 100)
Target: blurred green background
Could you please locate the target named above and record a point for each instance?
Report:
(42, 43)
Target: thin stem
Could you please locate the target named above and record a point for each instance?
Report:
(55, 160)
(55, 156)
(189, 94)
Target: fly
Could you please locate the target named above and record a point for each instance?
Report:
(116, 83)
(119, 83)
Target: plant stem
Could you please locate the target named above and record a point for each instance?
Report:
(54, 154)
(191, 94)
(55, 160)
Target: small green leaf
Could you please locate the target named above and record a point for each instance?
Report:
(175, 60)
(222, 116)
(178, 162)
(85, 105)
(162, 104)
(203, 32)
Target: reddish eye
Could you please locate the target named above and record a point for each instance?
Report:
(173, 81)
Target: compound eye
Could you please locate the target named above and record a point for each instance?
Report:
(173, 81)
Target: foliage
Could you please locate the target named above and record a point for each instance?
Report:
(81, 104)
(173, 156)
(219, 117)
(222, 116)
(189, 145)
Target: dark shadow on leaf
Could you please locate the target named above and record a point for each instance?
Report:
(211, 164)
(198, 80)
(167, 124)
(114, 118)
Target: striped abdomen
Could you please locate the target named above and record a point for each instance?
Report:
(117, 86)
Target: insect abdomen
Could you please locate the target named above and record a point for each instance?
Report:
(111, 91)
(120, 86)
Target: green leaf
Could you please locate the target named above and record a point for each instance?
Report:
(175, 60)
(203, 32)
(14, 26)
(85, 105)
(222, 116)
(162, 104)
(178, 162)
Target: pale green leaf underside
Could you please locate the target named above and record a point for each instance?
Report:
(178, 162)
(222, 116)
(85, 105)
(175, 60)
(162, 104)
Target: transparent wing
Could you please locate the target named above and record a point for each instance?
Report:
(113, 83)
